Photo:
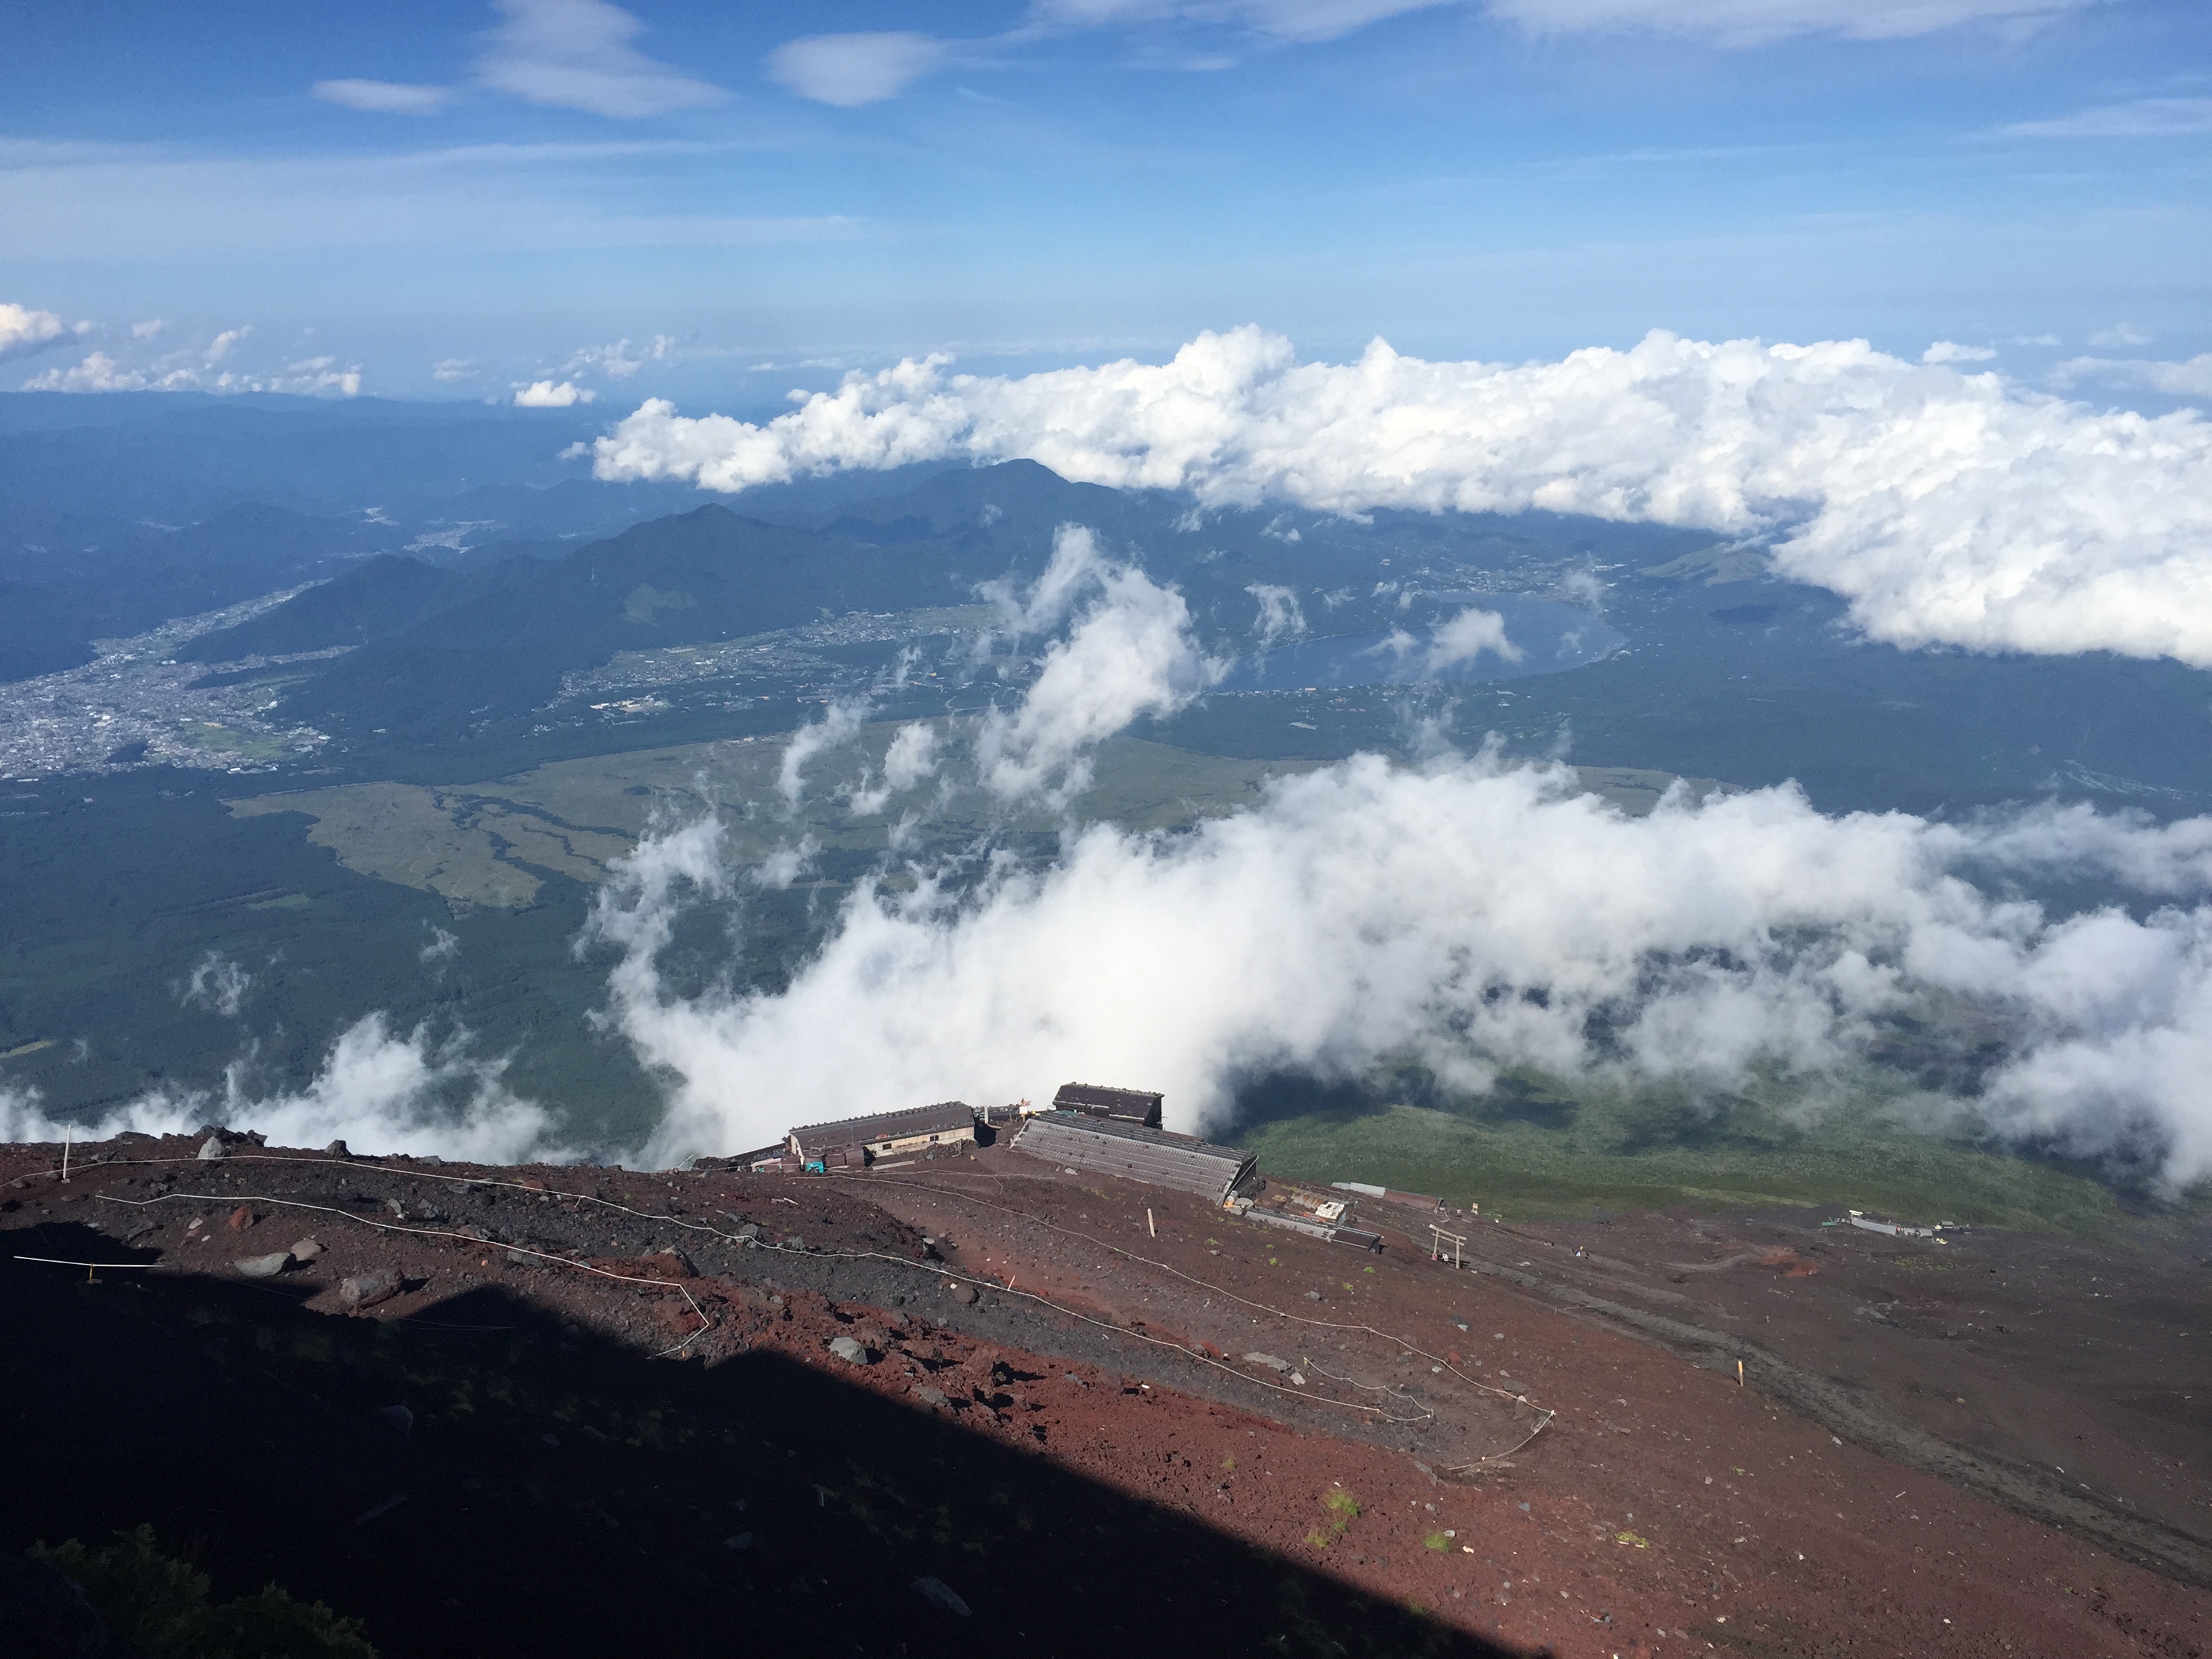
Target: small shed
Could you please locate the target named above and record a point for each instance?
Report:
(1152, 1156)
(948, 1123)
(1137, 1106)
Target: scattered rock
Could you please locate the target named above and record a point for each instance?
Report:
(305, 1250)
(241, 1218)
(367, 1289)
(1314, 1295)
(749, 1230)
(212, 1148)
(1268, 1360)
(519, 1258)
(848, 1351)
(739, 1542)
(938, 1594)
(262, 1267)
(336, 1149)
(397, 1418)
(964, 1294)
(932, 1397)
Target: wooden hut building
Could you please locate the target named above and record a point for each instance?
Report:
(886, 1134)
(1135, 1106)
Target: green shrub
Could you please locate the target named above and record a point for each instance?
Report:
(161, 1604)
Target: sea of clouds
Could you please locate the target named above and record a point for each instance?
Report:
(1468, 913)
(1950, 508)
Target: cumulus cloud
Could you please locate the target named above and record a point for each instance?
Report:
(2191, 379)
(448, 370)
(149, 328)
(577, 54)
(385, 97)
(377, 1090)
(1131, 654)
(840, 724)
(1950, 508)
(1467, 636)
(1281, 617)
(23, 330)
(616, 360)
(849, 70)
(198, 370)
(1474, 917)
(1758, 22)
(549, 394)
(1950, 351)
(2120, 334)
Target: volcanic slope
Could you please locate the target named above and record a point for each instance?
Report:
(1069, 1401)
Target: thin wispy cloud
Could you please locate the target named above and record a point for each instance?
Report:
(577, 54)
(2143, 118)
(849, 70)
(1742, 23)
(135, 202)
(567, 54)
(384, 97)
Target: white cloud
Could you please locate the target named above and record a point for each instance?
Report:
(1949, 509)
(2145, 117)
(23, 330)
(1130, 653)
(2191, 379)
(1281, 617)
(616, 361)
(218, 985)
(1285, 19)
(1758, 22)
(2120, 334)
(450, 370)
(1467, 636)
(198, 369)
(849, 70)
(839, 725)
(1473, 917)
(385, 97)
(149, 328)
(547, 394)
(1950, 351)
(912, 757)
(379, 1092)
(139, 202)
(577, 54)
(100, 373)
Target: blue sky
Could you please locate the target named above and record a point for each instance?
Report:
(510, 191)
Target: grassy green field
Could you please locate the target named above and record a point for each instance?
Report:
(1530, 1151)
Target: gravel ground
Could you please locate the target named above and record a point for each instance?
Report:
(1375, 1455)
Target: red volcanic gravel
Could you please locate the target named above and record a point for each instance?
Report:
(1522, 1471)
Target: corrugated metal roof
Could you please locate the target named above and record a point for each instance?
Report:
(946, 1116)
(1151, 1155)
(1139, 1104)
